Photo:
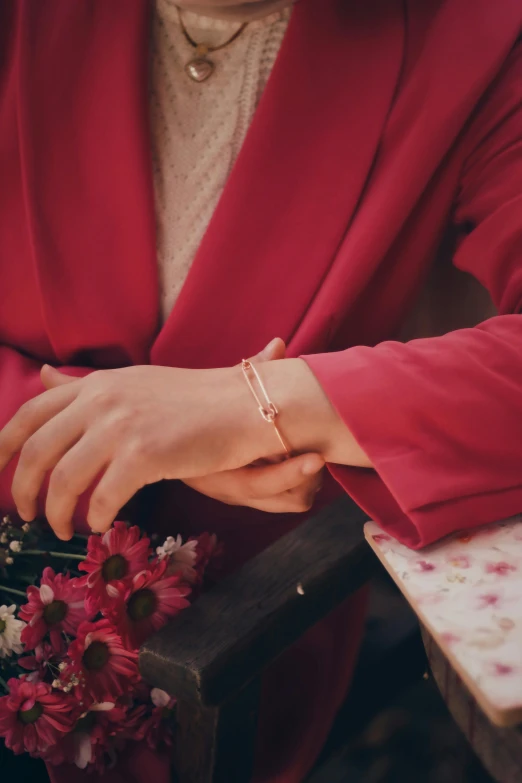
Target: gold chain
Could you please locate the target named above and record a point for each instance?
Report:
(206, 48)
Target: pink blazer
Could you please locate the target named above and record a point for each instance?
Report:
(386, 125)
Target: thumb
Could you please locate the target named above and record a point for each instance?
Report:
(51, 377)
(276, 349)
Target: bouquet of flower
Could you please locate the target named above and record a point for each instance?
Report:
(69, 638)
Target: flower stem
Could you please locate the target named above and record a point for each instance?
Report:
(4, 589)
(62, 555)
(3, 685)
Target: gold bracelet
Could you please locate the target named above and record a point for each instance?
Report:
(267, 409)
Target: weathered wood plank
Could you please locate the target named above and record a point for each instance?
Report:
(217, 744)
(498, 748)
(232, 632)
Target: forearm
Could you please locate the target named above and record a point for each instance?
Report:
(307, 418)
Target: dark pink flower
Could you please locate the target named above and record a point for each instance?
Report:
(92, 742)
(157, 729)
(56, 606)
(147, 603)
(33, 718)
(43, 664)
(98, 659)
(112, 558)
(209, 551)
(181, 557)
(501, 568)
(94, 733)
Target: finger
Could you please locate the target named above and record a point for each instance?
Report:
(77, 470)
(285, 503)
(30, 417)
(224, 487)
(269, 480)
(117, 486)
(276, 349)
(39, 454)
(51, 377)
(241, 486)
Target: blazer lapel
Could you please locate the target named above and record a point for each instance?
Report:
(81, 76)
(295, 186)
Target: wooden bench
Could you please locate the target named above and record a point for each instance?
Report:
(212, 655)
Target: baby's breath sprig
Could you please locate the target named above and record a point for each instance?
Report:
(12, 539)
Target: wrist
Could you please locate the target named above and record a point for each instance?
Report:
(307, 418)
(253, 438)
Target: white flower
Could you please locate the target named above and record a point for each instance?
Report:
(15, 546)
(9, 561)
(160, 698)
(181, 553)
(3, 538)
(182, 556)
(10, 631)
(169, 546)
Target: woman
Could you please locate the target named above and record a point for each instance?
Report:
(305, 169)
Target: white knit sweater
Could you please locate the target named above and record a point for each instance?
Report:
(198, 128)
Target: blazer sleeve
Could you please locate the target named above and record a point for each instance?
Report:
(20, 382)
(441, 418)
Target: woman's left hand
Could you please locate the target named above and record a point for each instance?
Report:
(288, 487)
(127, 427)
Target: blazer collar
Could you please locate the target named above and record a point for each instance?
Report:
(81, 76)
(295, 186)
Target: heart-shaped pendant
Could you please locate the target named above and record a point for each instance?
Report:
(199, 69)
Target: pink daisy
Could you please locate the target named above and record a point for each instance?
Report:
(91, 741)
(42, 664)
(181, 557)
(56, 606)
(157, 729)
(208, 552)
(147, 603)
(104, 668)
(114, 557)
(34, 718)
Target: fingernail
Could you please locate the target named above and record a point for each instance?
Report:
(311, 466)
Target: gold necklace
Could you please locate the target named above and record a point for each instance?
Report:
(201, 67)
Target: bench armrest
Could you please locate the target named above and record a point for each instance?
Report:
(230, 634)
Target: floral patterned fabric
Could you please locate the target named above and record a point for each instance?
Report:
(467, 590)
